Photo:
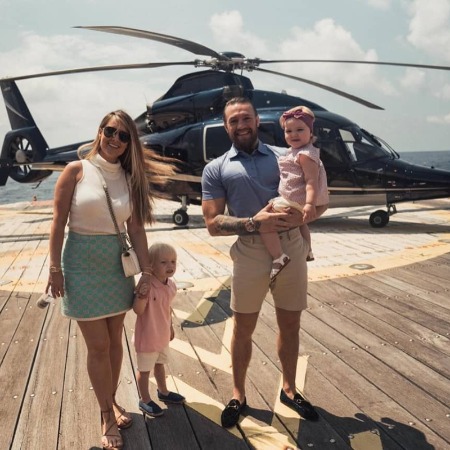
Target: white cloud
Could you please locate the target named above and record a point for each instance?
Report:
(328, 40)
(228, 30)
(380, 4)
(440, 120)
(413, 79)
(429, 28)
(445, 92)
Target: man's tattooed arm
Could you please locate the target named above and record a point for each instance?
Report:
(228, 225)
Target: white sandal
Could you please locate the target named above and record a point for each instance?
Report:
(278, 265)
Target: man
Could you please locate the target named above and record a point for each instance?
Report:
(244, 179)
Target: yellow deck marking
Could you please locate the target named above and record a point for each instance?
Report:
(261, 437)
(383, 262)
(202, 309)
(220, 360)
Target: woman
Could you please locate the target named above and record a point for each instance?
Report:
(88, 274)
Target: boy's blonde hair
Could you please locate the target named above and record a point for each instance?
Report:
(159, 248)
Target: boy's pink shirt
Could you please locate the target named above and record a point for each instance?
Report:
(152, 330)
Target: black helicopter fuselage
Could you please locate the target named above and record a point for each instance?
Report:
(186, 123)
(361, 170)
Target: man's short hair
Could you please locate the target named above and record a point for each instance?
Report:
(239, 101)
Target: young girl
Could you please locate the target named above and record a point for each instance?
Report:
(154, 330)
(303, 182)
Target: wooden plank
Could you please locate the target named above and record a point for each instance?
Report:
(401, 388)
(377, 288)
(426, 282)
(349, 425)
(80, 416)
(16, 364)
(387, 352)
(39, 417)
(437, 268)
(355, 406)
(383, 323)
(396, 313)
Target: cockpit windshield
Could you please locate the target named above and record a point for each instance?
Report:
(363, 146)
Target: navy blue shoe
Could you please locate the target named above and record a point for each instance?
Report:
(300, 406)
(150, 408)
(230, 415)
(171, 397)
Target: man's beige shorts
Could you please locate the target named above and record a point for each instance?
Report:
(251, 273)
(146, 361)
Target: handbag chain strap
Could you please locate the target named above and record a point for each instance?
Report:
(122, 239)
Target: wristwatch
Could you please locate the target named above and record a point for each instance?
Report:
(250, 225)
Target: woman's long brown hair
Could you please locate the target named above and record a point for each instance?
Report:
(147, 171)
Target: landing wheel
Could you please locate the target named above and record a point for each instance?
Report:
(379, 219)
(180, 217)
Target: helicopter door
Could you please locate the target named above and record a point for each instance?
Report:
(334, 157)
(367, 170)
(215, 141)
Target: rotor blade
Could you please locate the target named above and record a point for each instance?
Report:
(323, 86)
(377, 63)
(101, 68)
(184, 44)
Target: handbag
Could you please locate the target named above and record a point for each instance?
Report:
(130, 260)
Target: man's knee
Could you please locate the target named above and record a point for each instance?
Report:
(244, 325)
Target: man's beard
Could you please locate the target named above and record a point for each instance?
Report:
(246, 143)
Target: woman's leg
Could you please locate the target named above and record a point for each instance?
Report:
(115, 330)
(97, 337)
(115, 327)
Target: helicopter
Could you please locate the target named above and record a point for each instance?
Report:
(186, 124)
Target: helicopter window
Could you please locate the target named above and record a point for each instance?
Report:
(205, 81)
(330, 150)
(215, 141)
(359, 147)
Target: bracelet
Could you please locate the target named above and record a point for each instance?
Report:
(147, 273)
(55, 269)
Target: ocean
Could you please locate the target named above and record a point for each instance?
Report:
(14, 192)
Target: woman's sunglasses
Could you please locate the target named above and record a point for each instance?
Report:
(123, 135)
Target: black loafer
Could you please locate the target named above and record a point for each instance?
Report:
(300, 405)
(230, 415)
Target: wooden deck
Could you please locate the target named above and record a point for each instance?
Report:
(374, 357)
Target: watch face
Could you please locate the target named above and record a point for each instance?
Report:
(250, 226)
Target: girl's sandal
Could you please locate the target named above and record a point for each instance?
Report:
(110, 440)
(278, 265)
(123, 418)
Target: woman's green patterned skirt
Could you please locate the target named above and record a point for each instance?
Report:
(94, 283)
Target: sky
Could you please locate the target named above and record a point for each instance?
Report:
(39, 36)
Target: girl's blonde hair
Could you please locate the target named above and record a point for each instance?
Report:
(304, 114)
(290, 113)
(160, 248)
(146, 170)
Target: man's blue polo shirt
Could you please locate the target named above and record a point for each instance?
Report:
(247, 182)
